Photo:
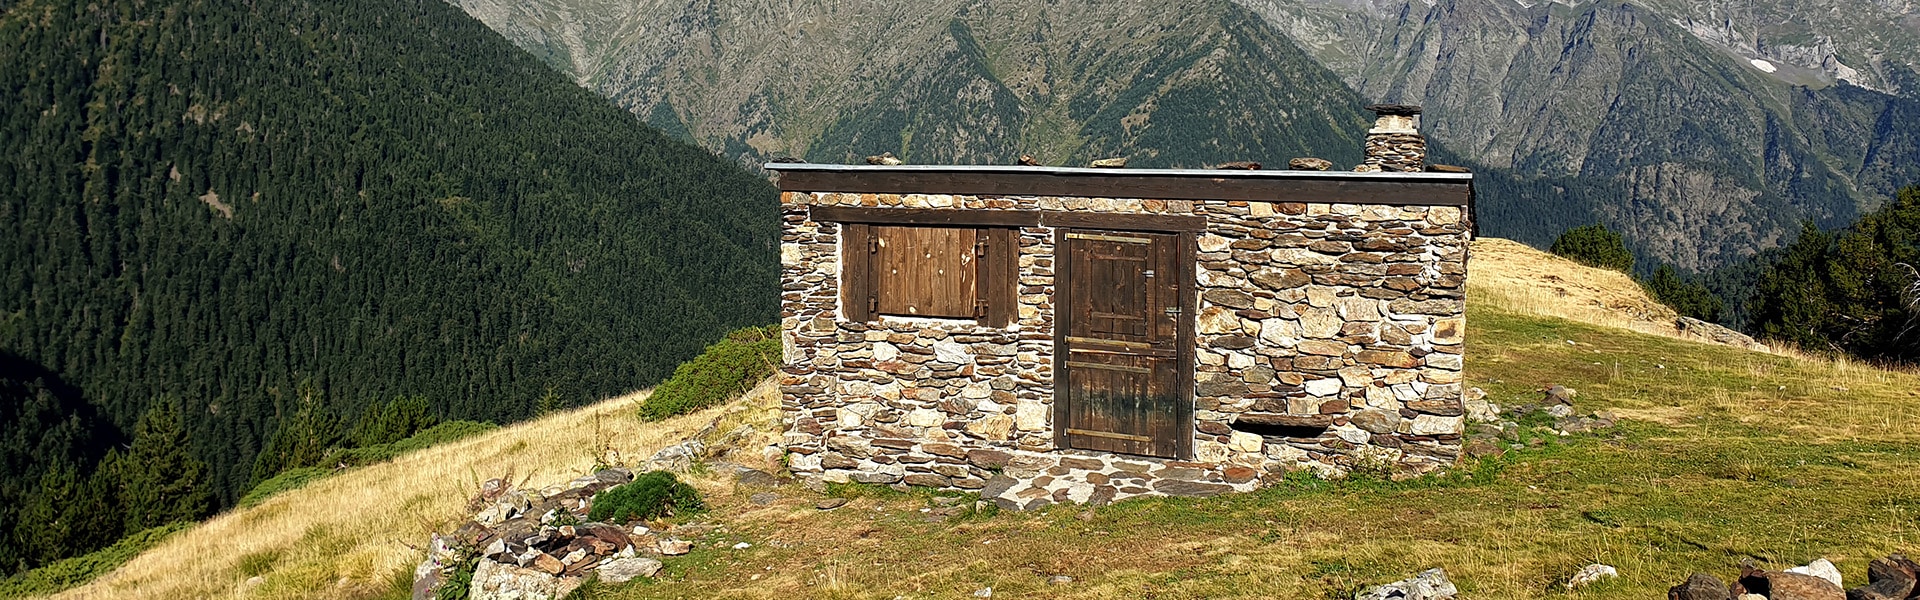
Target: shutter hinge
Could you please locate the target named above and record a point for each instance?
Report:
(873, 245)
(980, 308)
(873, 304)
(980, 248)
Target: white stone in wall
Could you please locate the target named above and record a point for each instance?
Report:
(1211, 452)
(1351, 434)
(1213, 243)
(1030, 415)
(1237, 360)
(1323, 387)
(1217, 320)
(949, 351)
(1444, 361)
(1356, 376)
(854, 416)
(1320, 296)
(1302, 257)
(976, 390)
(1242, 441)
(925, 417)
(1359, 309)
(1280, 333)
(1320, 323)
(883, 352)
(1436, 425)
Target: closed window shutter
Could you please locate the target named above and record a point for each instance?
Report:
(925, 271)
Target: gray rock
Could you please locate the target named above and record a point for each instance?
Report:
(756, 478)
(1059, 580)
(1561, 394)
(1431, 584)
(1821, 568)
(1591, 574)
(830, 503)
(622, 570)
(678, 458)
(671, 547)
(997, 486)
(496, 581)
(764, 498)
(1699, 586)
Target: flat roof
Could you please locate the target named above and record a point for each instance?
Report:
(1342, 187)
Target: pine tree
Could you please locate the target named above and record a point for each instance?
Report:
(1689, 298)
(1596, 246)
(162, 481)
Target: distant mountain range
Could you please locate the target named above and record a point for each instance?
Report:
(1706, 130)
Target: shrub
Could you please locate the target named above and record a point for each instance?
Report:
(73, 572)
(652, 495)
(1595, 246)
(726, 369)
(437, 434)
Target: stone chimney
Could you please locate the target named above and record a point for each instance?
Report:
(1395, 143)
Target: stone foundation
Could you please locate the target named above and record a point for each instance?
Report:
(1337, 327)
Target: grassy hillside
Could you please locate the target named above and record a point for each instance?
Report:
(1724, 454)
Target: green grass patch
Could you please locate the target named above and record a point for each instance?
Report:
(73, 572)
(437, 434)
(725, 370)
(290, 479)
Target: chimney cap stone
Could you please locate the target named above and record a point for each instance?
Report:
(1399, 110)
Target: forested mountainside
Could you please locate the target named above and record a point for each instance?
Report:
(236, 208)
(952, 81)
(1647, 116)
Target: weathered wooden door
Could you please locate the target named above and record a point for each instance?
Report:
(1123, 339)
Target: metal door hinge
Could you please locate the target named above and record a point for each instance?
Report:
(1173, 310)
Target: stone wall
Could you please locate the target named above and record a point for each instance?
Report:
(1342, 323)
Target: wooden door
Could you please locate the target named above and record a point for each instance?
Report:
(1123, 342)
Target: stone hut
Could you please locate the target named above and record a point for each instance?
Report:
(1045, 334)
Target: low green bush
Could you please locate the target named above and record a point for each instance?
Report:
(290, 479)
(652, 495)
(437, 434)
(725, 370)
(77, 571)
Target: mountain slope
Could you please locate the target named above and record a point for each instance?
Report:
(239, 207)
(1647, 116)
(1706, 156)
(960, 81)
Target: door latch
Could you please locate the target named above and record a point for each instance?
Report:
(1173, 311)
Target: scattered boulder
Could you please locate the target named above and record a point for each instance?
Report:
(1782, 585)
(1109, 163)
(1028, 161)
(830, 503)
(1431, 584)
(1717, 334)
(1238, 165)
(1890, 578)
(884, 158)
(678, 458)
(672, 547)
(1699, 586)
(497, 580)
(1821, 568)
(1560, 394)
(622, 570)
(1591, 574)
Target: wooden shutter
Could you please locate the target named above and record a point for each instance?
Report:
(924, 271)
(856, 276)
(999, 277)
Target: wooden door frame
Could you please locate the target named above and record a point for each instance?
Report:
(1186, 265)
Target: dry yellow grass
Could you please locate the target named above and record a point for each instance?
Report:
(352, 534)
(1518, 278)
